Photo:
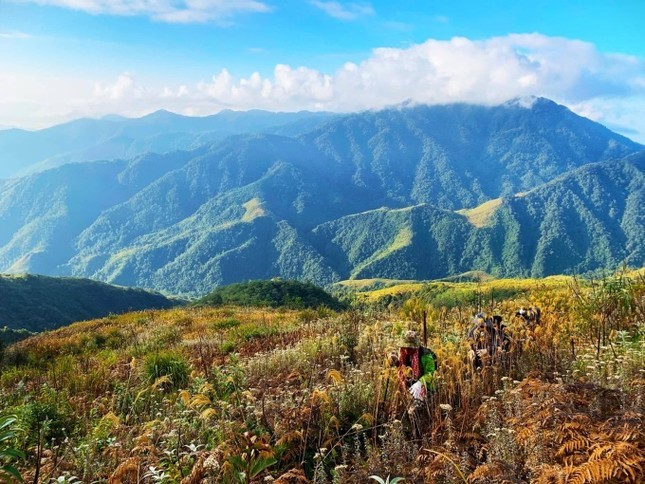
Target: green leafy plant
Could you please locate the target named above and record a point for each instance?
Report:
(167, 364)
(256, 456)
(387, 480)
(8, 454)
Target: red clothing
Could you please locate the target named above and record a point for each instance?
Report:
(409, 357)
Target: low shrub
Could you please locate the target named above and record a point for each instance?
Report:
(168, 364)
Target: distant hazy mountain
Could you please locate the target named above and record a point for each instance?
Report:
(111, 137)
(39, 303)
(396, 193)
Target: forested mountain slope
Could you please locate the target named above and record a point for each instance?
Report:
(588, 219)
(374, 194)
(114, 137)
(39, 303)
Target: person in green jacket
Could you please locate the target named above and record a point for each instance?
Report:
(416, 368)
(417, 365)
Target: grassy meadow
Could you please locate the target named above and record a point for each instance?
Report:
(239, 395)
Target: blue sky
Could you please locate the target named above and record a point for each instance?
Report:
(61, 59)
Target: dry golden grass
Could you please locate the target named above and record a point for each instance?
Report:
(480, 215)
(316, 392)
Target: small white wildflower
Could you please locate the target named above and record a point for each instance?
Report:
(211, 463)
(445, 407)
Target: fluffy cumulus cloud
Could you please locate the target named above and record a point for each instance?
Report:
(172, 11)
(125, 87)
(608, 88)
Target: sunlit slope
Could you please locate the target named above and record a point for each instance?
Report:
(454, 293)
(370, 195)
(481, 215)
(591, 218)
(225, 380)
(419, 242)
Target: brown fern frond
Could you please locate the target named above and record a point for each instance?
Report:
(594, 472)
(628, 427)
(484, 472)
(576, 444)
(551, 474)
(128, 472)
(294, 476)
(197, 474)
(496, 471)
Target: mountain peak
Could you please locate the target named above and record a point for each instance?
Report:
(527, 102)
(161, 114)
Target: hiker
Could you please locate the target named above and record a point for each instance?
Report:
(502, 339)
(481, 341)
(489, 340)
(530, 316)
(416, 368)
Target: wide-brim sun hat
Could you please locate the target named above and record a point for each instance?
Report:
(410, 339)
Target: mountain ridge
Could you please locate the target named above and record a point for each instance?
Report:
(178, 221)
(39, 303)
(89, 139)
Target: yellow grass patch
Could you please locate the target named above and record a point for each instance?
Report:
(254, 209)
(480, 215)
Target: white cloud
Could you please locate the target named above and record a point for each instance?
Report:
(15, 36)
(606, 87)
(171, 11)
(124, 88)
(347, 11)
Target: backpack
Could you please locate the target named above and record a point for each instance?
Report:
(427, 351)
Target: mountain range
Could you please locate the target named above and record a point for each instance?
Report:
(113, 137)
(416, 192)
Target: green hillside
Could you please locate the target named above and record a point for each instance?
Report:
(588, 219)
(273, 293)
(411, 193)
(39, 303)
